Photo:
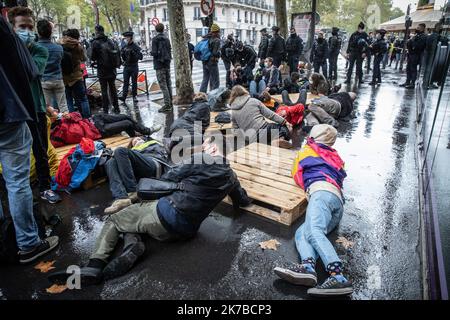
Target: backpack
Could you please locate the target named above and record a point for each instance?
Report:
(72, 130)
(110, 54)
(67, 63)
(202, 51)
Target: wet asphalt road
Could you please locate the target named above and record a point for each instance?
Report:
(224, 261)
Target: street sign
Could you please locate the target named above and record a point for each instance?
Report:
(155, 21)
(207, 7)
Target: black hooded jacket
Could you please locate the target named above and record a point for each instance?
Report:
(198, 112)
(100, 57)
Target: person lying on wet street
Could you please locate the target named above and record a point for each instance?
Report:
(249, 116)
(319, 170)
(145, 159)
(177, 216)
(108, 125)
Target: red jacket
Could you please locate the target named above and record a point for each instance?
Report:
(72, 130)
(295, 113)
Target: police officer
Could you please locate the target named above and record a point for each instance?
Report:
(131, 54)
(334, 46)
(228, 57)
(319, 54)
(263, 46)
(356, 49)
(277, 47)
(246, 57)
(378, 49)
(416, 46)
(294, 48)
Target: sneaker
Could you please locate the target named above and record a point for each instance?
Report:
(133, 197)
(410, 86)
(403, 84)
(88, 276)
(45, 246)
(155, 128)
(123, 263)
(332, 287)
(347, 81)
(118, 205)
(51, 196)
(135, 100)
(165, 109)
(298, 275)
(361, 81)
(372, 83)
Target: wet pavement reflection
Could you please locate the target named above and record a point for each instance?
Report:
(224, 261)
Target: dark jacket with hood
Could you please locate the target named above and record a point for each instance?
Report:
(319, 52)
(74, 47)
(246, 57)
(199, 112)
(100, 57)
(161, 52)
(263, 46)
(16, 71)
(131, 54)
(185, 210)
(357, 44)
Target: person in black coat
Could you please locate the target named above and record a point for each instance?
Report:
(228, 57)
(319, 55)
(356, 52)
(334, 46)
(294, 48)
(378, 48)
(131, 54)
(277, 47)
(106, 73)
(416, 47)
(246, 57)
(263, 46)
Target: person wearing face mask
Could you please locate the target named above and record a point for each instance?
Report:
(356, 52)
(131, 54)
(378, 49)
(416, 47)
(319, 55)
(246, 57)
(294, 48)
(102, 58)
(228, 57)
(22, 21)
(277, 47)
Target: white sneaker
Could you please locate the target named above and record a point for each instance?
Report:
(133, 197)
(118, 205)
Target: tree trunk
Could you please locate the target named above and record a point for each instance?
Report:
(183, 77)
(281, 14)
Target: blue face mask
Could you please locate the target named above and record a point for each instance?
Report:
(25, 35)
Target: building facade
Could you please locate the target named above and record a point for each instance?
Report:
(242, 18)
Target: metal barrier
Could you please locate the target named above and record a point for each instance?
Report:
(140, 91)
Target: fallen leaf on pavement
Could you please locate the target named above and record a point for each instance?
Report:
(54, 289)
(45, 267)
(269, 244)
(345, 242)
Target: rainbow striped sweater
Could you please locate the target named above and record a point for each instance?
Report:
(318, 162)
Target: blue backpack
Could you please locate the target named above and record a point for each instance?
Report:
(201, 50)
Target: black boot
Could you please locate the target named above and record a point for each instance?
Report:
(89, 275)
(133, 248)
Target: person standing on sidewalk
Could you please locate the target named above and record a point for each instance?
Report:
(16, 109)
(356, 52)
(162, 56)
(52, 80)
(106, 56)
(263, 46)
(334, 46)
(319, 170)
(277, 47)
(294, 49)
(210, 66)
(378, 49)
(21, 18)
(131, 54)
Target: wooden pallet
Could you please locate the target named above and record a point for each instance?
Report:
(112, 142)
(265, 173)
(294, 97)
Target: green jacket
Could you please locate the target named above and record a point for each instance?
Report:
(40, 57)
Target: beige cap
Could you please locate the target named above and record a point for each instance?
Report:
(324, 134)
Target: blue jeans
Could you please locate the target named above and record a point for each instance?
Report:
(15, 147)
(323, 215)
(256, 90)
(77, 92)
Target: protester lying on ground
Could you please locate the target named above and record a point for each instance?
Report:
(70, 128)
(177, 216)
(249, 116)
(145, 159)
(319, 171)
(329, 109)
(218, 99)
(269, 101)
(194, 121)
(293, 112)
(270, 81)
(315, 81)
